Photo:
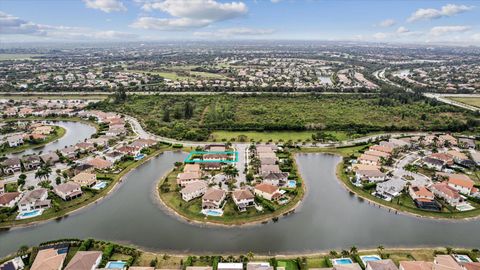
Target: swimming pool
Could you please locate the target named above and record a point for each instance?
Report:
(139, 156)
(462, 258)
(342, 261)
(369, 258)
(212, 212)
(100, 185)
(30, 214)
(291, 184)
(116, 265)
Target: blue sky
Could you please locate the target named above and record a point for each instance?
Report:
(124, 20)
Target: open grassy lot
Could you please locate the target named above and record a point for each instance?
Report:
(19, 96)
(15, 56)
(196, 117)
(277, 136)
(474, 101)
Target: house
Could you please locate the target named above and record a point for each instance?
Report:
(475, 157)
(447, 138)
(68, 191)
(466, 143)
(128, 150)
(276, 179)
(114, 156)
(390, 189)
(199, 268)
(267, 191)
(100, 163)
(243, 198)
(230, 266)
(445, 158)
(447, 193)
(266, 169)
(259, 266)
(433, 163)
(192, 168)
(184, 178)
(458, 156)
(143, 143)
(420, 192)
(215, 148)
(34, 199)
(415, 265)
(11, 165)
(84, 147)
(2, 187)
(85, 260)
(15, 140)
(43, 130)
(50, 158)
(212, 166)
(445, 262)
(13, 264)
(460, 182)
(380, 148)
(381, 265)
(85, 179)
(49, 259)
(370, 175)
(360, 166)
(377, 153)
(102, 142)
(215, 157)
(82, 167)
(213, 198)
(351, 266)
(264, 149)
(368, 159)
(69, 152)
(268, 161)
(31, 162)
(193, 190)
(9, 199)
(472, 265)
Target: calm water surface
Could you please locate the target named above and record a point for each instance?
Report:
(329, 218)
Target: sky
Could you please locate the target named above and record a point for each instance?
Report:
(407, 21)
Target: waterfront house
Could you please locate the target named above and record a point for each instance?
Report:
(460, 182)
(368, 159)
(13, 264)
(230, 266)
(31, 162)
(350, 266)
(49, 259)
(415, 265)
(34, 199)
(184, 178)
(377, 153)
(69, 152)
(458, 157)
(199, 268)
(192, 168)
(128, 150)
(267, 191)
(11, 165)
(243, 198)
(390, 188)
(114, 156)
(472, 265)
(213, 198)
(370, 175)
(50, 158)
(193, 190)
(100, 163)
(276, 179)
(85, 179)
(143, 143)
(267, 155)
(9, 199)
(259, 266)
(212, 166)
(68, 191)
(266, 169)
(360, 166)
(15, 140)
(381, 265)
(420, 192)
(43, 130)
(85, 260)
(447, 193)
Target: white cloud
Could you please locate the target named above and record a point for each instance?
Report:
(387, 23)
(229, 32)
(106, 5)
(14, 26)
(432, 13)
(188, 14)
(402, 30)
(442, 30)
(476, 37)
(380, 36)
(275, 1)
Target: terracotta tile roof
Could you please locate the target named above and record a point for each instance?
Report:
(84, 260)
(267, 188)
(243, 194)
(100, 163)
(7, 197)
(214, 194)
(416, 265)
(48, 259)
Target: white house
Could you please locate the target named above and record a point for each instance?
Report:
(193, 190)
(370, 175)
(267, 191)
(230, 266)
(34, 199)
(15, 140)
(243, 198)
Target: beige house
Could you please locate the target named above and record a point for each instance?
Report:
(85, 260)
(85, 179)
(69, 190)
(49, 259)
(267, 191)
(186, 177)
(213, 198)
(193, 190)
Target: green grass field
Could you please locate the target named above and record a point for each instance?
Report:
(275, 136)
(473, 101)
(14, 56)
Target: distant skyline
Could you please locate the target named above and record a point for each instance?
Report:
(422, 22)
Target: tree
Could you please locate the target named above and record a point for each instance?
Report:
(120, 95)
(22, 250)
(380, 249)
(188, 110)
(333, 253)
(250, 255)
(353, 250)
(21, 179)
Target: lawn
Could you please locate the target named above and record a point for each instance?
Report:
(46, 95)
(15, 56)
(473, 101)
(194, 117)
(288, 264)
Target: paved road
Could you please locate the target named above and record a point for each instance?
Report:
(445, 99)
(399, 171)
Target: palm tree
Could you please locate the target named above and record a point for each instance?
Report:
(250, 255)
(380, 249)
(39, 173)
(345, 253)
(22, 250)
(47, 171)
(353, 250)
(333, 253)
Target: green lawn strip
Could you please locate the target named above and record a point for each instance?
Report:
(49, 95)
(402, 203)
(473, 101)
(279, 136)
(65, 207)
(57, 134)
(191, 210)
